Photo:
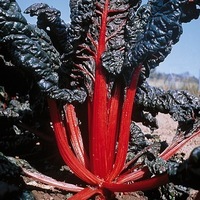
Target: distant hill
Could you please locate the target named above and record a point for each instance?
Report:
(175, 81)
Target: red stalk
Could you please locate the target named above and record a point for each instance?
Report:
(133, 176)
(168, 153)
(75, 134)
(86, 194)
(52, 182)
(99, 132)
(113, 125)
(125, 126)
(137, 156)
(172, 149)
(65, 149)
(143, 185)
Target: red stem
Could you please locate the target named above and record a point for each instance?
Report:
(113, 125)
(171, 150)
(99, 132)
(125, 126)
(168, 153)
(52, 182)
(65, 150)
(86, 194)
(137, 156)
(143, 185)
(133, 176)
(75, 134)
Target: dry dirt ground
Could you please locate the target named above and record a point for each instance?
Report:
(167, 129)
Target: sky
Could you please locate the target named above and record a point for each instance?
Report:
(185, 55)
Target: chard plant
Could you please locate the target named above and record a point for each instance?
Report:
(93, 73)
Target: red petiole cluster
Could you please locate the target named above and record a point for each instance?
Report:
(96, 151)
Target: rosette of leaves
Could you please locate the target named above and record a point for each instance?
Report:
(101, 59)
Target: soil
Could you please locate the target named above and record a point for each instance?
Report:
(167, 129)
